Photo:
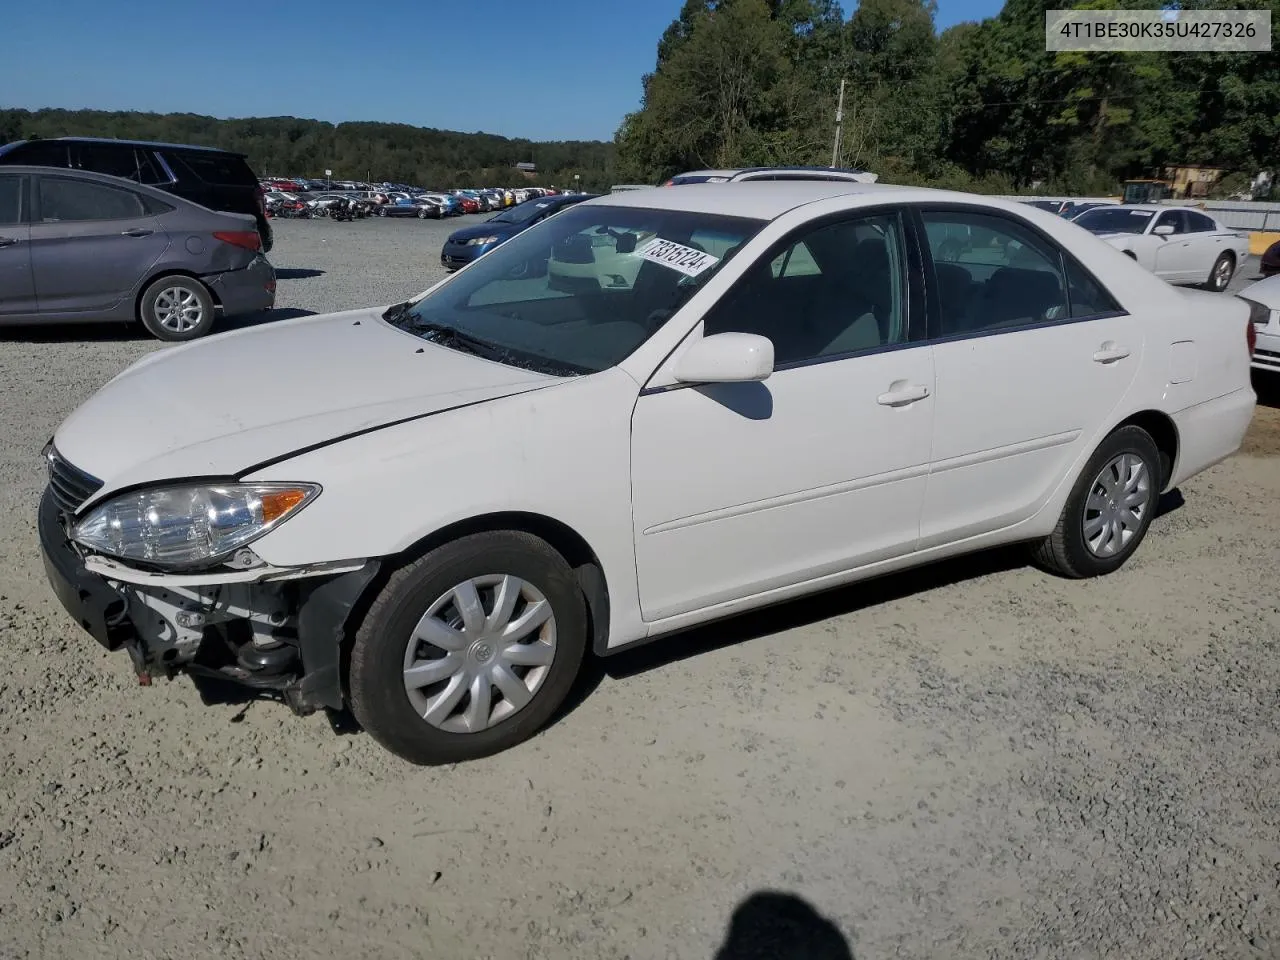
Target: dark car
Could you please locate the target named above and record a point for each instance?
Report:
(1271, 260)
(217, 179)
(84, 246)
(467, 244)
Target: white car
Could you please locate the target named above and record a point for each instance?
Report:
(1177, 244)
(794, 391)
(757, 174)
(1264, 297)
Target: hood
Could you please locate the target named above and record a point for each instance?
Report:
(486, 229)
(217, 407)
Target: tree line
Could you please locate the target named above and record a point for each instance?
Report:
(288, 146)
(978, 106)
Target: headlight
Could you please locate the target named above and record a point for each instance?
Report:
(481, 241)
(185, 526)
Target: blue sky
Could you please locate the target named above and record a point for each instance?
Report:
(545, 69)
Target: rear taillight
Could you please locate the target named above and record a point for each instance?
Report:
(1259, 314)
(248, 239)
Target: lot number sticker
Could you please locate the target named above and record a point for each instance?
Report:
(687, 260)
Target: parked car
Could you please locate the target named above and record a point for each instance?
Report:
(1052, 206)
(1263, 298)
(467, 244)
(400, 207)
(826, 424)
(1073, 208)
(217, 179)
(740, 174)
(1177, 244)
(80, 246)
(1270, 262)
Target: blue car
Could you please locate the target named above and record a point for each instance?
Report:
(467, 244)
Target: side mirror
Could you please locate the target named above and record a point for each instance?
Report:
(726, 358)
(1163, 229)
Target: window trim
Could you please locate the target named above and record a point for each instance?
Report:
(24, 199)
(36, 219)
(912, 289)
(1065, 261)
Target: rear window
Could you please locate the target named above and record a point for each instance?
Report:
(223, 169)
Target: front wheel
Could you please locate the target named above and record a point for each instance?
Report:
(468, 651)
(1223, 269)
(1109, 510)
(176, 309)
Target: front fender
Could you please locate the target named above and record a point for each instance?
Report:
(562, 452)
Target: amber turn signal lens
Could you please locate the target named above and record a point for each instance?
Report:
(279, 502)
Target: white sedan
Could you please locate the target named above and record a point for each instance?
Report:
(431, 512)
(1177, 244)
(1264, 297)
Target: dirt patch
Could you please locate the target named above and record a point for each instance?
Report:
(1263, 438)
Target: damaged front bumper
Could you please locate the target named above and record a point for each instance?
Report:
(271, 628)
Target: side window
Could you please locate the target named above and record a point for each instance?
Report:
(838, 289)
(1172, 218)
(10, 200)
(150, 170)
(1088, 297)
(114, 159)
(49, 153)
(75, 200)
(992, 273)
(1199, 223)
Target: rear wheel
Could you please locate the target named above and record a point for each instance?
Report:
(469, 650)
(1223, 269)
(1109, 510)
(177, 309)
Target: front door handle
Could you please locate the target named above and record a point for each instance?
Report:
(1110, 352)
(7, 241)
(900, 394)
(136, 232)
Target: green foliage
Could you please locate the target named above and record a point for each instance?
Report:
(287, 146)
(982, 106)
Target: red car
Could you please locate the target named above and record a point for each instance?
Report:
(469, 205)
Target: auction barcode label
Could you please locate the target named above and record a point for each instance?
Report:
(1169, 30)
(687, 260)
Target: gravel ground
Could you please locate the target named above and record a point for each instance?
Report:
(975, 760)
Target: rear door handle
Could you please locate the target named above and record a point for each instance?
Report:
(900, 395)
(1110, 353)
(136, 232)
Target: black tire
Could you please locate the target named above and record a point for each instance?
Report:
(382, 211)
(377, 693)
(1065, 551)
(1224, 268)
(149, 305)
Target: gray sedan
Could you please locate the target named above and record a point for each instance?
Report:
(78, 246)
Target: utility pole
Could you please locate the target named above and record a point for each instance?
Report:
(835, 147)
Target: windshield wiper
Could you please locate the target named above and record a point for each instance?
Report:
(397, 311)
(446, 335)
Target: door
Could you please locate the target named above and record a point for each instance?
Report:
(17, 289)
(739, 488)
(1032, 356)
(1207, 243)
(91, 244)
(1177, 255)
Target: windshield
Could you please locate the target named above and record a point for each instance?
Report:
(1114, 220)
(521, 212)
(579, 292)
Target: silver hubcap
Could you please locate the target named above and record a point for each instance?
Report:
(178, 309)
(480, 653)
(1224, 273)
(1117, 505)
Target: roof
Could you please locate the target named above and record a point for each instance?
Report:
(769, 199)
(130, 143)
